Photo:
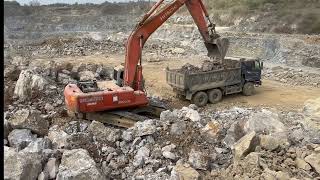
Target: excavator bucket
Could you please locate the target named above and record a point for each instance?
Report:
(218, 48)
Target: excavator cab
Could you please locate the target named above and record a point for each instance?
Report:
(118, 75)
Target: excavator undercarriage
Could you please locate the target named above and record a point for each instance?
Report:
(125, 118)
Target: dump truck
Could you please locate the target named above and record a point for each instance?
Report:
(235, 75)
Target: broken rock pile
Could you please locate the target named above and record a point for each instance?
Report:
(187, 143)
(292, 76)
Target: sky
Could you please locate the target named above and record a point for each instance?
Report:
(70, 1)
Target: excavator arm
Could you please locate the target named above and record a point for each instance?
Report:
(152, 21)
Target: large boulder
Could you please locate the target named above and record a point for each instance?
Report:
(168, 116)
(234, 133)
(29, 85)
(191, 114)
(19, 165)
(76, 164)
(264, 121)
(302, 164)
(30, 119)
(311, 112)
(58, 137)
(21, 138)
(146, 127)
(183, 172)
(245, 145)
(314, 161)
(38, 145)
(271, 143)
(103, 133)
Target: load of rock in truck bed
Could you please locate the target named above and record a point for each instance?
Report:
(210, 65)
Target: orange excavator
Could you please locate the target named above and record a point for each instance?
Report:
(128, 89)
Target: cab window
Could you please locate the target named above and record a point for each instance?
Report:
(257, 65)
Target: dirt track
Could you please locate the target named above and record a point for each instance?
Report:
(270, 94)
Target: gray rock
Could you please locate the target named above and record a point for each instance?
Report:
(29, 84)
(311, 113)
(314, 161)
(178, 128)
(211, 130)
(168, 148)
(264, 121)
(146, 127)
(127, 135)
(43, 176)
(48, 107)
(58, 137)
(12, 72)
(21, 138)
(282, 175)
(18, 165)
(270, 142)
(181, 172)
(245, 145)
(178, 51)
(86, 75)
(64, 78)
(234, 133)
(38, 145)
(6, 128)
(302, 164)
(169, 155)
(158, 176)
(191, 114)
(76, 164)
(30, 119)
(103, 133)
(136, 141)
(52, 168)
(168, 116)
(198, 160)
(193, 106)
(108, 150)
(141, 157)
(79, 140)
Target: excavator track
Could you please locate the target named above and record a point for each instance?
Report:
(124, 118)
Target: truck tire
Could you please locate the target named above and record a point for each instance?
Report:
(200, 99)
(248, 89)
(214, 95)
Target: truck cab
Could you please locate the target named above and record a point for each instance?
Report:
(251, 70)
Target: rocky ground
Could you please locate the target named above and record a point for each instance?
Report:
(271, 135)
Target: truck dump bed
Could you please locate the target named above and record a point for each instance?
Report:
(193, 81)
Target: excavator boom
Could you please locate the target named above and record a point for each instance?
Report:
(153, 20)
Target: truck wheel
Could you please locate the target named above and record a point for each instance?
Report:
(200, 99)
(248, 89)
(215, 95)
